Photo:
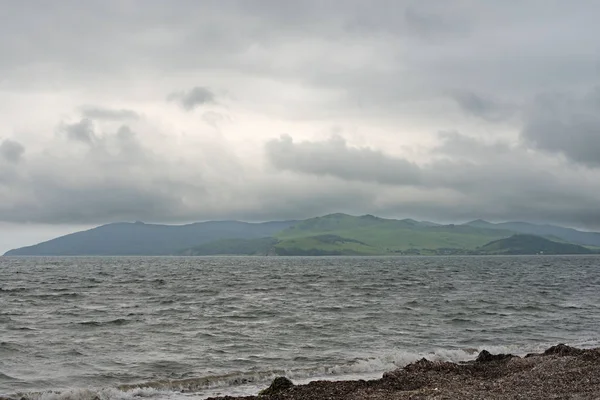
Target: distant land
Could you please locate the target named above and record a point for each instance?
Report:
(333, 234)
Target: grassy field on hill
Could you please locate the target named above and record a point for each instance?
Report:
(373, 235)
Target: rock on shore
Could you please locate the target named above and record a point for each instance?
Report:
(561, 372)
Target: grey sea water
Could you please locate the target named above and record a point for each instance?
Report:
(118, 328)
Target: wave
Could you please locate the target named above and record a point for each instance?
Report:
(14, 290)
(114, 322)
(4, 377)
(572, 306)
(20, 328)
(525, 308)
(461, 321)
(57, 295)
(9, 347)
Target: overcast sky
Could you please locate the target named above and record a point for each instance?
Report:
(180, 111)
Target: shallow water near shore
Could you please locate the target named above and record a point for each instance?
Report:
(184, 327)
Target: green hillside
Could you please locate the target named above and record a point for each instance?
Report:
(322, 245)
(372, 235)
(531, 244)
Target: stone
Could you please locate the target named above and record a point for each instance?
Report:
(279, 384)
(485, 356)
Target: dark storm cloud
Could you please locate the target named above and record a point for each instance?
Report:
(195, 97)
(11, 151)
(335, 158)
(109, 113)
(567, 125)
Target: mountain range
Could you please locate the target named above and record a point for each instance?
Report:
(333, 234)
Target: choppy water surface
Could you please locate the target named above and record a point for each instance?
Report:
(193, 327)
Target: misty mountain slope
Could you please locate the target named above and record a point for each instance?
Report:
(566, 234)
(148, 239)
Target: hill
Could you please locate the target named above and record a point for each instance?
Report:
(566, 234)
(531, 244)
(148, 239)
(373, 235)
(333, 234)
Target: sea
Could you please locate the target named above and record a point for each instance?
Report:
(193, 327)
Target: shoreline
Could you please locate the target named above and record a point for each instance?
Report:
(560, 372)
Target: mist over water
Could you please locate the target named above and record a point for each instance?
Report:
(197, 326)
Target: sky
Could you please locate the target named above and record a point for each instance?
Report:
(174, 112)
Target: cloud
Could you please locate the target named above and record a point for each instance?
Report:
(215, 119)
(195, 97)
(11, 151)
(335, 158)
(403, 71)
(465, 164)
(115, 177)
(566, 124)
(82, 131)
(435, 19)
(482, 107)
(468, 179)
(109, 113)
(455, 145)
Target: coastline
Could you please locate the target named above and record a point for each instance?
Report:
(560, 372)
